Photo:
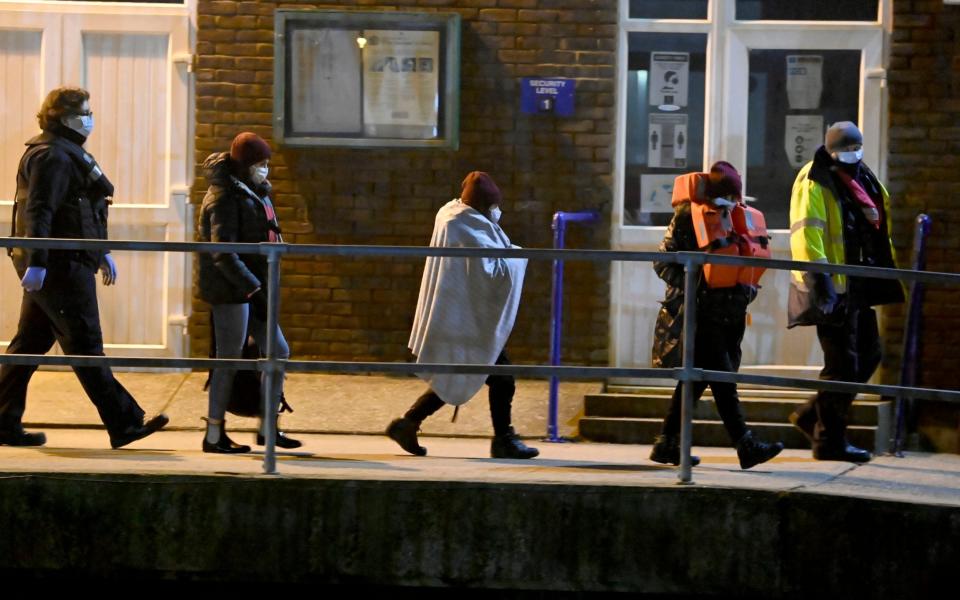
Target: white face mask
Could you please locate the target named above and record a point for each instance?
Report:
(495, 213)
(81, 124)
(259, 174)
(850, 158)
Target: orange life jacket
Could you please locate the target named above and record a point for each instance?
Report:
(740, 230)
(735, 231)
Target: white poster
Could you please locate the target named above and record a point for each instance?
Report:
(665, 132)
(325, 89)
(669, 75)
(804, 81)
(803, 135)
(401, 83)
(656, 192)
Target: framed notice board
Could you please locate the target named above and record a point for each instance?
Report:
(366, 79)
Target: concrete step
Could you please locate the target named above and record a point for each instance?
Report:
(745, 392)
(864, 411)
(712, 433)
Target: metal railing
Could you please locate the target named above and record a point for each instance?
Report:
(273, 367)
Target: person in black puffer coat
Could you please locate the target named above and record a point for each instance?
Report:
(237, 208)
(721, 320)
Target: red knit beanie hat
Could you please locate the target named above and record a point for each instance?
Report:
(478, 187)
(248, 149)
(724, 181)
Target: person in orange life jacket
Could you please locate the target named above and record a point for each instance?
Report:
(237, 208)
(63, 193)
(721, 320)
(839, 214)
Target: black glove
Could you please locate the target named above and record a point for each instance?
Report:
(824, 295)
(258, 305)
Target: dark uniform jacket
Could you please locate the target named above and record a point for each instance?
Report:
(61, 193)
(713, 305)
(232, 212)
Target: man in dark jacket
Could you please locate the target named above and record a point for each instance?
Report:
(839, 214)
(721, 320)
(62, 193)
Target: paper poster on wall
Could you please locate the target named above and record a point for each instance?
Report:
(325, 88)
(669, 78)
(656, 192)
(665, 132)
(803, 135)
(804, 81)
(401, 82)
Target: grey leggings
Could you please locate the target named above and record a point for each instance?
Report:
(230, 327)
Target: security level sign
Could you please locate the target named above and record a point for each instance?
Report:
(669, 79)
(538, 95)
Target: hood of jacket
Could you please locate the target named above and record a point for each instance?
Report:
(218, 171)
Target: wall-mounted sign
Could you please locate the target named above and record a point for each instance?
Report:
(803, 135)
(804, 81)
(669, 77)
(667, 141)
(656, 193)
(539, 95)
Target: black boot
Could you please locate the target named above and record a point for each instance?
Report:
(666, 451)
(752, 451)
(18, 437)
(223, 445)
(846, 452)
(404, 432)
(282, 441)
(508, 445)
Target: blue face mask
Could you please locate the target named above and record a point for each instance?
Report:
(495, 213)
(850, 158)
(82, 124)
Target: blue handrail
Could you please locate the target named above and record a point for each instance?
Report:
(912, 332)
(560, 220)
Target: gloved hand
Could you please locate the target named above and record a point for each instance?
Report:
(825, 296)
(258, 305)
(109, 270)
(33, 279)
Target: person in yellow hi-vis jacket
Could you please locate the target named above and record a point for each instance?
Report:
(839, 214)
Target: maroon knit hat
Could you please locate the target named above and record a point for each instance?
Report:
(724, 181)
(477, 187)
(248, 149)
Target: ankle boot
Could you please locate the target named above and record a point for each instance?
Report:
(404, 432)
(752, 451)
(666, 451)
(282, 440)
(508, 445)
(223, 445)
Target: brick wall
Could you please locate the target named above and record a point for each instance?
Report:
(362, 309)
(924, 176)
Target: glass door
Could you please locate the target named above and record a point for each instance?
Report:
(754, 83)
(786, 84)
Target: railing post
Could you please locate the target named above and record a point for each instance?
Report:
(911, 337)
(691, 271)
(556, 321)
(273, 375)
(559, 226)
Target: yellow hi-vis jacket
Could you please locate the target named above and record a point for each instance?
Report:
(816, 235)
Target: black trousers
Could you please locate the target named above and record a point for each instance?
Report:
(851, 352)
(717, 348)
(500, 393)
(64, 310)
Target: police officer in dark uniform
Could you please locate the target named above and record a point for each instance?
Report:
(62, 193)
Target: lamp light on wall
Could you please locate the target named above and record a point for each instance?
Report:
(361, 41)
